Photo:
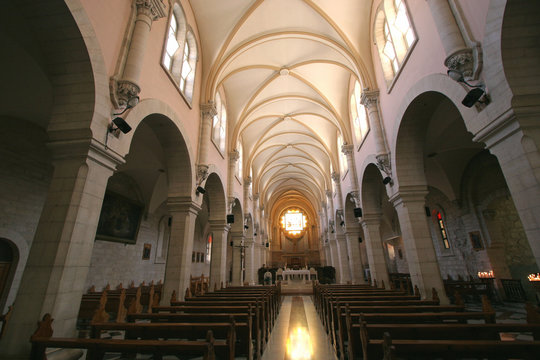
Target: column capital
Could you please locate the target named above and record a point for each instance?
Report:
(347, 149)
(329, 193)
(335, 176)
(234, 155)
(384, 164)
(219, 225)
(247, 181)
(182, 204)
(154, 9)
(409, 194)
(256, 197)
(369, 98)
(202, 173)
(208, 110)
(462, 61)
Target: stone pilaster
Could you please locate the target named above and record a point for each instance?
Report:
(355, 257)
(59, 259)
(249, 253)
(458, 55)
(238, 243)
(208, 111)
(218, 262)
(370, 100)
(374, 248)
(127, 86)
(178, 267)
(421, 257)
(344, 269)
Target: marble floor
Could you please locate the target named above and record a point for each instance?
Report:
(290, 316)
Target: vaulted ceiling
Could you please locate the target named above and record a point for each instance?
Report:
(286, 68)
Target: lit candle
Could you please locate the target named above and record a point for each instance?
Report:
(534, 277)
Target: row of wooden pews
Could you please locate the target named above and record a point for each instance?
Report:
(366, 322)
(230, 322)
(117, 303)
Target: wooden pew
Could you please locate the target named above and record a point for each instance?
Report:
(392, 349)
(250, 333)
(186, 331)
(97, 348)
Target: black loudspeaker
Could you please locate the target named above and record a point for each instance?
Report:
(123, 125)
(428, 212)
(230, 219)
(359, 239)
(267, 244)
(357, 212)
(231, 243)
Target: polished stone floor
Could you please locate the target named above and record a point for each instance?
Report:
(290, 317)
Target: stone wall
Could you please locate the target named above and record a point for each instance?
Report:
(25, 174)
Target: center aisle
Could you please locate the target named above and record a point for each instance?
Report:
(277, 346)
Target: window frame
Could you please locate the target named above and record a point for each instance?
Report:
(176, 9)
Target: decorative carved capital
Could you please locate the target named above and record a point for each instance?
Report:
(329, 193)
(208, 110)
(256, 197)
(202, 173)
(369, 98)
(154, 9)
(234, 155)
(335, 176)
(121, 91)
(461, 61)
(355, 197)
(347, 149)
(247, 181)
(383, 163)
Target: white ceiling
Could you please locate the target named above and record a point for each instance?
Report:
(286, 68)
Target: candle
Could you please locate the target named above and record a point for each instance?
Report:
(486, 274)
(534, 277)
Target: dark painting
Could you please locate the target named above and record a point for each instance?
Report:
(120, 219)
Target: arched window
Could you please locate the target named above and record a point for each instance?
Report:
(358, 114)
(394, 36)
(180, 53)
(219, 124)
(442, 229)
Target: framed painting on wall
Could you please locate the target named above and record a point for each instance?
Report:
(476, 240)
(120, 219)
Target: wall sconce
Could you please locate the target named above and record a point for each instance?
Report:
(388, 180)
(476, 92)
(200, 190)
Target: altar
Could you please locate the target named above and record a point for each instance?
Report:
(289, 274)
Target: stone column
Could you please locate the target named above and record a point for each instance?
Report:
(519, 156)
(59, 259)
(147, 12)
(344, 270)
(355, 258)
(495, 250)
(345, 274)
(238, 243)
(370, 100)
(233, 158)
(374, 248)
(249, 252)
(178, 267)
(218, 262)
(458, 55)
(421, 257)
(208, 111)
